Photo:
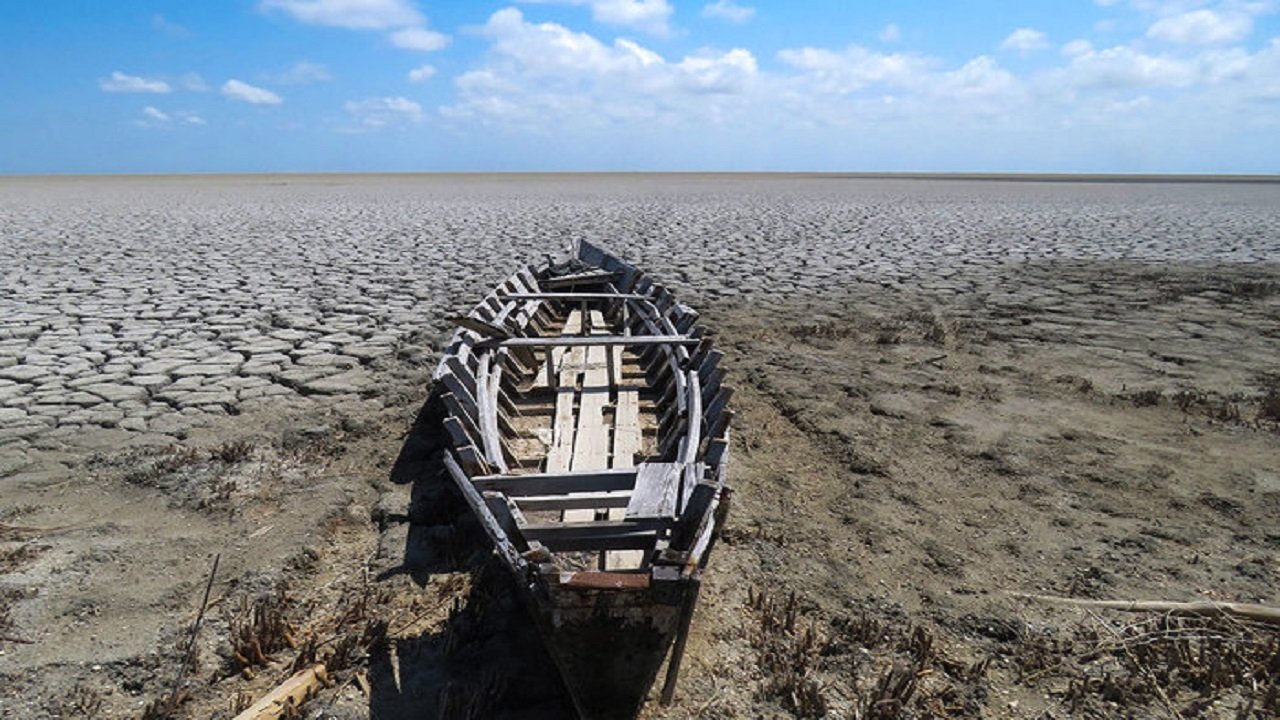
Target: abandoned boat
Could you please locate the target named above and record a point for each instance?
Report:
(590, 430)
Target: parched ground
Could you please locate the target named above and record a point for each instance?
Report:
(951, 394)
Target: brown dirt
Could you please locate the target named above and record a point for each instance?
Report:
(904, 463)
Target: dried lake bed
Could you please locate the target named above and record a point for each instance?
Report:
(946, 345)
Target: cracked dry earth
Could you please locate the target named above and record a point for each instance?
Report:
(949, 391)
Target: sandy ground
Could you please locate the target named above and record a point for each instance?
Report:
(949, 392)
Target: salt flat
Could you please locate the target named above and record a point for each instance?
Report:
(147, 304)
(951, 387)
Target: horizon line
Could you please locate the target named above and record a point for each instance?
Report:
(1206, 177)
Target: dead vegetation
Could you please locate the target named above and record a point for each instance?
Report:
(259, 628)
(863, 667)
(1178, 666)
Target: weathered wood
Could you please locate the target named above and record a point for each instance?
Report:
(576, 296)
(583, 278)
(574, 501)
(596, 536)
(693, 515)
(562, 430)
(589, 341)
(492, 528)
(604, 580)
(288, 695)
(488, 415)
(656, 489)
(558, 483)
(483, 327)
(1249, 611)
(690, 600)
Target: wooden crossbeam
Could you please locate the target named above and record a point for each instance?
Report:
(574, 501)
(590, 341)
(598, 535)
(558, 483)
(576, 296)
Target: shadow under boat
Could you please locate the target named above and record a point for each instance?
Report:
(488, 660)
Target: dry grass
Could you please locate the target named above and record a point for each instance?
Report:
(1180, 666)
(258, 629)
(788, 655)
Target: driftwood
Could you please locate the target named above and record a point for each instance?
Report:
(291, 693)
(1248, 611)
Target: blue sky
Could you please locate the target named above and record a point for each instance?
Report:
(415, 85)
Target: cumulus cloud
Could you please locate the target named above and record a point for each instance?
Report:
(406, 26)
(418, 38)
(647, 15)
(422, 74)
(119, 82)
(1025, 40)
(729, 11)
(244, 92)
(854, 68)
(377, 113)
(302, 73)
(351, 14)
(535, 72)
(1202, 27)
(155, 114)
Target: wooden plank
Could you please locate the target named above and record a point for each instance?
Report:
(576, 296)
(483, 327)
(600, 535)
(490, 524)
(575, 501)
(583, 278)
(517, 486)
(656, 490)
(604, 580)
(591, 441)
(562, 429)
(680, 341)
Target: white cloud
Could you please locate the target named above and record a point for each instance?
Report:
(1025, 40)
(244, 92)
(154, 117)
(377, 113)
(890, 34)
(422, 74)
(418, 38)
(542, 73)
(647, 15)
(168, 27)
(730, 72)
(728, 10)
(193, 82)
(856, 68)
(1202, 27)
(302, 73)
(119, 82)
(352, 14)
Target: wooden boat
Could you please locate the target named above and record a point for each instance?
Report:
(590, 431)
